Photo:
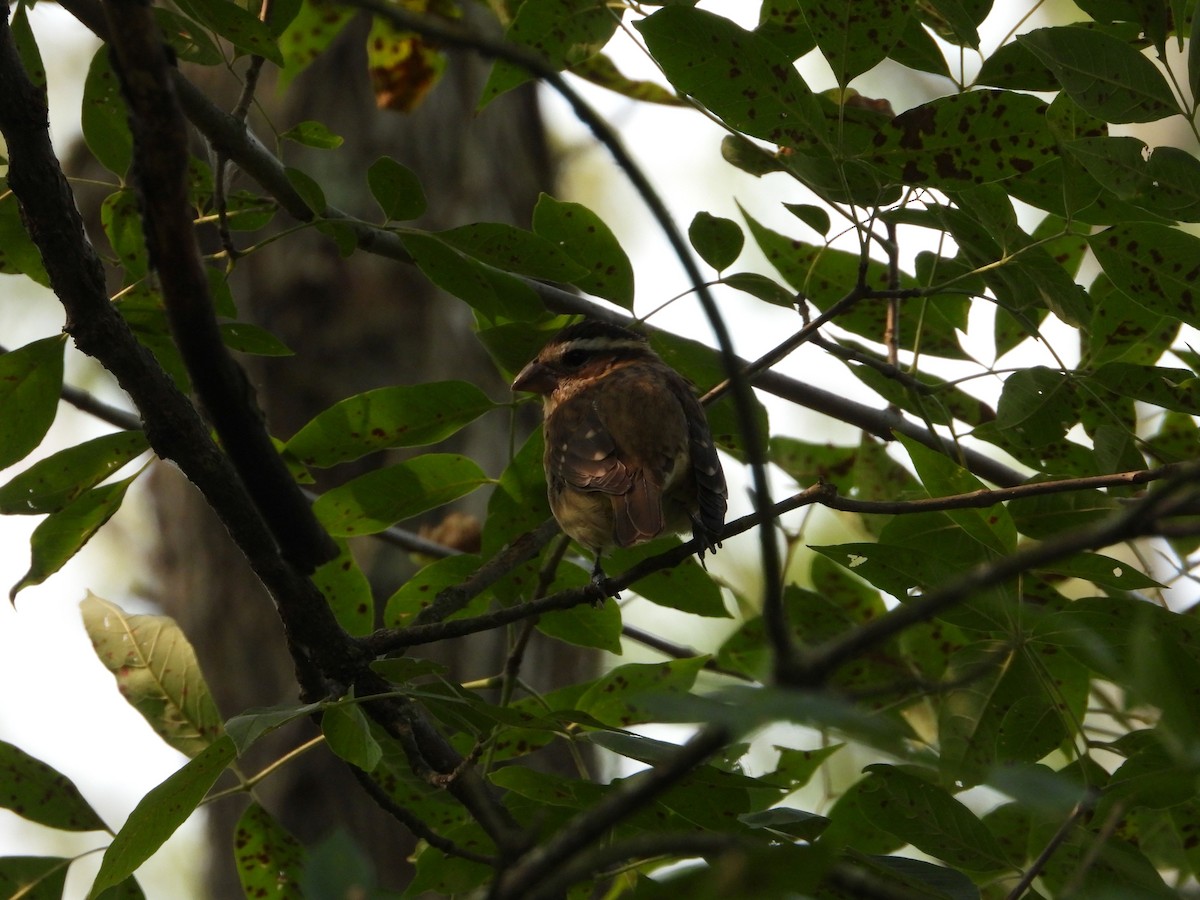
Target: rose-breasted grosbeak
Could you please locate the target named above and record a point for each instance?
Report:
(628, 451)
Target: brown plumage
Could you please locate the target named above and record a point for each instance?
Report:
(628, 454)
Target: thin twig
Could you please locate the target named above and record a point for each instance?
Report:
(590, 825)
(1082, 809)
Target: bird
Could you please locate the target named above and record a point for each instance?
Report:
(628, 450)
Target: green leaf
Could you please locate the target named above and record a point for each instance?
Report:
(562, 32)
(376, 501)
(104, 117)
(396, 189)
(347, 591)
(1038, 406)
(27, 48)
(348, 734)
(1013, 706)
(157, 673)
(33, 877)
(1103, 74)
(965, 139)
(160, 813)
(269, 860)
(122, 221)
(1121, 331)
(815, 217)
(312, 30)
(492, 293)
(400, 416)
(855, 37)
(924, 815)
(585, 626)
(766, 289)
(237, 25)
(18, 253)
(1049, 515)
(718, 241)
(514, 250)
(782, 23)
(308, 189)
(188, 40)
(742, 77)
(993, 526)
(248, 338)
(825, 275)
(619, 697)
(956, 21)
(603, 72)
(585, 238)
(313, 134)
(1154, 265)
(62, 534)
(30, 383)
(248, 727)
(1016, 68)
(51, 483)
(686, 587)
(39, 793)
(1165, 180)
(422, 588)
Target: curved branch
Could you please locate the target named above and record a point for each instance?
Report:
(160, 157)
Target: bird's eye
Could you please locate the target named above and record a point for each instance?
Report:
(575, 358)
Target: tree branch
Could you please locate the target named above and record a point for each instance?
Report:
(160, 159)
(589, 826)
(233, 138)
(814, 667)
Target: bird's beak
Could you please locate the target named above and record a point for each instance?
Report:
(535, 378)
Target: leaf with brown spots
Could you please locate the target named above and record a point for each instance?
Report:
(965, 139)
(743, 78)
(928, 817)
(1103, 74)
(312, 30)
(855, 37)
(562, 32)
(403, 66)
(156, 671)
(39, 793)
(1155, 266)
(585, 238)
(270, 861)
(619, 697)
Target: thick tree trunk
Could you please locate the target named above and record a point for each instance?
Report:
(355, 324)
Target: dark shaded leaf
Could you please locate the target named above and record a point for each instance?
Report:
(376, 501)
(30, 382)
(585, 238)
(396, 189)
(1103, 74)
(400, 416)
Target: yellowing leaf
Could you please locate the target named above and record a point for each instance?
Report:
(403, 66)
(156, 671)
